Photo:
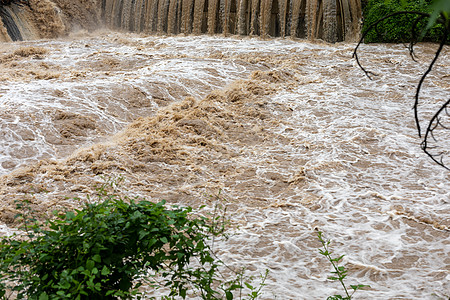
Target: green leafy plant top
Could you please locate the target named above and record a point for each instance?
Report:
(107, 249)
(339, 273)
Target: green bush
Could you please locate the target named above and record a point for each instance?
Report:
(107, 249)
(399, 28)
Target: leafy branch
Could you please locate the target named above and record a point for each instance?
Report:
(340, 272)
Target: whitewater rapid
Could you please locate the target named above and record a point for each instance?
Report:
(290, 132)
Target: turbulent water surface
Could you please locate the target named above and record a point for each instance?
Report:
(292, 133)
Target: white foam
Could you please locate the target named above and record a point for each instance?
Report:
(367, 184)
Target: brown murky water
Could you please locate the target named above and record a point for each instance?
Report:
(291, 132)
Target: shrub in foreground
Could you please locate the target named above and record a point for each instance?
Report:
(107, 249)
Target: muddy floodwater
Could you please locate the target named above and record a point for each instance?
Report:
(290, 132)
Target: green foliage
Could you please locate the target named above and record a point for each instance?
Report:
(339, 273)
(112, 246)
(439, 8)
(401, 28)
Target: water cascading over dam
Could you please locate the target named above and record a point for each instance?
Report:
(34, 20)
(42, 19)
(330, 20)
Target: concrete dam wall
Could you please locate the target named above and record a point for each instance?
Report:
(330, 20)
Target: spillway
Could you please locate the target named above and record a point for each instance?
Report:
(39, 19)
(329, 20)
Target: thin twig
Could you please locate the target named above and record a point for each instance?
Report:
(372, 26)
(429, 131)
(422, 79)
(435, 120)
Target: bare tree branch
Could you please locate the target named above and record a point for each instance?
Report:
(435, 122)
(374, 25)
(422, 79)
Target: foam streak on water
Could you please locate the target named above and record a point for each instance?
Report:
(307, 142)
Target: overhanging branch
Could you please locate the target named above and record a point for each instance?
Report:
(435, 122)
